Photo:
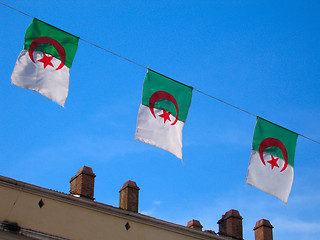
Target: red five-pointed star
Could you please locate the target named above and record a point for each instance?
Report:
(165, 115)
(46, 60)
(273, 162)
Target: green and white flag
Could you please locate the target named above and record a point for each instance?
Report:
(164, 109)
(43, 64)
(272, 159)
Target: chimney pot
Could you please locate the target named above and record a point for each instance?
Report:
(263, 230)
(129, 196)
(230, 225)
(195, 224)
(82, 184)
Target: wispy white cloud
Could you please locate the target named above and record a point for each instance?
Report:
(156, 202)
(304, 197)
(147, 212)
(296, 225)
(152, 211)
(253, 206)
(77, 148)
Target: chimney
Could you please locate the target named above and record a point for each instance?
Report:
(230, 225)
(195, 224)
(263, 230)
(82, 184)
(129, 196)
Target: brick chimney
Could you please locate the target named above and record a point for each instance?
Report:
(230, 225)
(82, 184)
(195, 224)
(129, 196)
(263, 230)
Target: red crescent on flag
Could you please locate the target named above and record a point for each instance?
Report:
(163, 95)
(273, 142)
(54, 43)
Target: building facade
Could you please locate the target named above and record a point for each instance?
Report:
(32, 212)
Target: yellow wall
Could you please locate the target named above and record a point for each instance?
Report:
(74, 222)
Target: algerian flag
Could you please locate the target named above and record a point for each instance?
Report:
(164, 109)
(272, 159)
(43, 64)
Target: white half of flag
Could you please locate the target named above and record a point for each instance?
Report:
(156, 132)
(269, 180)
(51, 83)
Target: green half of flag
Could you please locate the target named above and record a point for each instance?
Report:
(166, 93)
(284, 139)
(49, 39)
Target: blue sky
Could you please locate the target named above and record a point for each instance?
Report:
(262, 56)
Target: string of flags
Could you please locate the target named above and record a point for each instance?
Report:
(163, 112)
(43, 66)
(272, 159)
(45, 46)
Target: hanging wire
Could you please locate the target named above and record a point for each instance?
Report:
(308, 138)
(229, 104)
(124, 58)
(15, 9)
(114, 54)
